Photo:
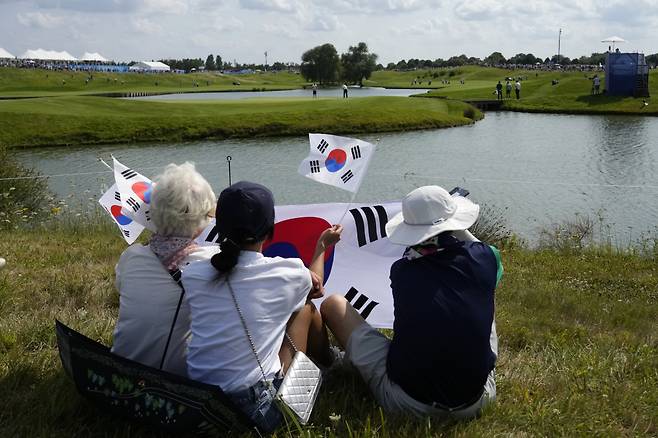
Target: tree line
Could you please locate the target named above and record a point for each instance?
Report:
(497, 58)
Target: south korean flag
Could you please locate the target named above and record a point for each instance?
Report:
(338, 161)
(111, 202)
(135, 190)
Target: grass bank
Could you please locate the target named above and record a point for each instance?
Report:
(78, 120)
(15, 82)
(571, 95)
(578, 345)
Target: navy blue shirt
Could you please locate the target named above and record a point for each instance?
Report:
(444, 307)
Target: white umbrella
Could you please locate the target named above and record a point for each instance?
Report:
(613, 40)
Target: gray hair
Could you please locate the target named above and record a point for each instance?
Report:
(182, 200)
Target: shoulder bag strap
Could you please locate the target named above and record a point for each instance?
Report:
(246, 330)
(176, 276)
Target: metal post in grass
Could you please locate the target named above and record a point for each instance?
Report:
(228, 161)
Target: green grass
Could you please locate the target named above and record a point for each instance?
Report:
(16, 82)
(578, 345)
(571, 95)
(75, 120)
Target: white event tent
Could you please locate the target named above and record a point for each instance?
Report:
(150, 66)
(5, 54)
(50, 55)
(93, 57)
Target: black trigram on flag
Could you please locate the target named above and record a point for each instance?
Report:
(359, 300)
(323, 146)
(315, 166)
(374, 225)
(128, 173)
(126, 232)
(133, 204)
(147, 215)
(356, 152)
(346, 176)
(117, 196)
(212, 235)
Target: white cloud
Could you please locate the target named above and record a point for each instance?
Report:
(146, 26)
(324, 23)
(272, 5)
(40, 20)
(226, 24)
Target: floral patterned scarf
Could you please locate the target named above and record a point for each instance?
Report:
(172, 250)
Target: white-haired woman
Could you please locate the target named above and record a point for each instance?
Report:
(181, 206)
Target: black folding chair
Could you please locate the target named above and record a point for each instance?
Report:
(144, 394)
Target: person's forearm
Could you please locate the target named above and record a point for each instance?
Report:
(317, 263)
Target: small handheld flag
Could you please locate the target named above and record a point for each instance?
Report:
(338, 161)
(135, 190)
(111, 202)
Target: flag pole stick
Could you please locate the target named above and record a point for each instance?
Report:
(106, 165)
(348, 208)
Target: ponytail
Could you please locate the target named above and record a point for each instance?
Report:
(225, 260)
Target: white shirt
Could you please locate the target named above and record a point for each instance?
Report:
(148, 298)
(268, 291)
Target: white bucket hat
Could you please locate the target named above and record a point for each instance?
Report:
(428, 211)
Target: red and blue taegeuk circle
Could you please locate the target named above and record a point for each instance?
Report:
(297, 238)
(119, 216)
(335, 160)
(143, 190)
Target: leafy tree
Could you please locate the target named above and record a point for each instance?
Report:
(357, 63)
(455, 61)
(219, 65)
(210, 63)
(561, 59)
(321, 64)
(402, 65)
(495, 58)
(652, 59)
(390, 66)
(522, 58)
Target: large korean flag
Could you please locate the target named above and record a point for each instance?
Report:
(111, 202)
(357, 267)
(135, 191)
(338, 161)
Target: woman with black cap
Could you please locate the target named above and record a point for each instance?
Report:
(247, 309)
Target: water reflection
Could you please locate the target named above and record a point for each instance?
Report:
(621, 143)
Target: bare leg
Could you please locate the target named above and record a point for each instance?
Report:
(307, 331)
(341, 318)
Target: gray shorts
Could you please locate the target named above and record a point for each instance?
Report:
(367, 350)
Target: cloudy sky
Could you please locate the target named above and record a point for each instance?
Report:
(395, 29)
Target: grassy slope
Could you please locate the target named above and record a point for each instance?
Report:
(578, 345)
(25, 82)
(88, 120)
(571, 95)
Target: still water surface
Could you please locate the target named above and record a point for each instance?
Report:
(322, 92)
(539, 168)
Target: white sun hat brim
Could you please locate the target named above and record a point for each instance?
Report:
(402, 233)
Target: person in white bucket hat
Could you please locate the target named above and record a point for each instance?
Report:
(441, 359)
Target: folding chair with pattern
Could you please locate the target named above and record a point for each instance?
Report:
(144, 394)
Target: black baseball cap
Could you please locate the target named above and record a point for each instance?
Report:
(245, 211)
